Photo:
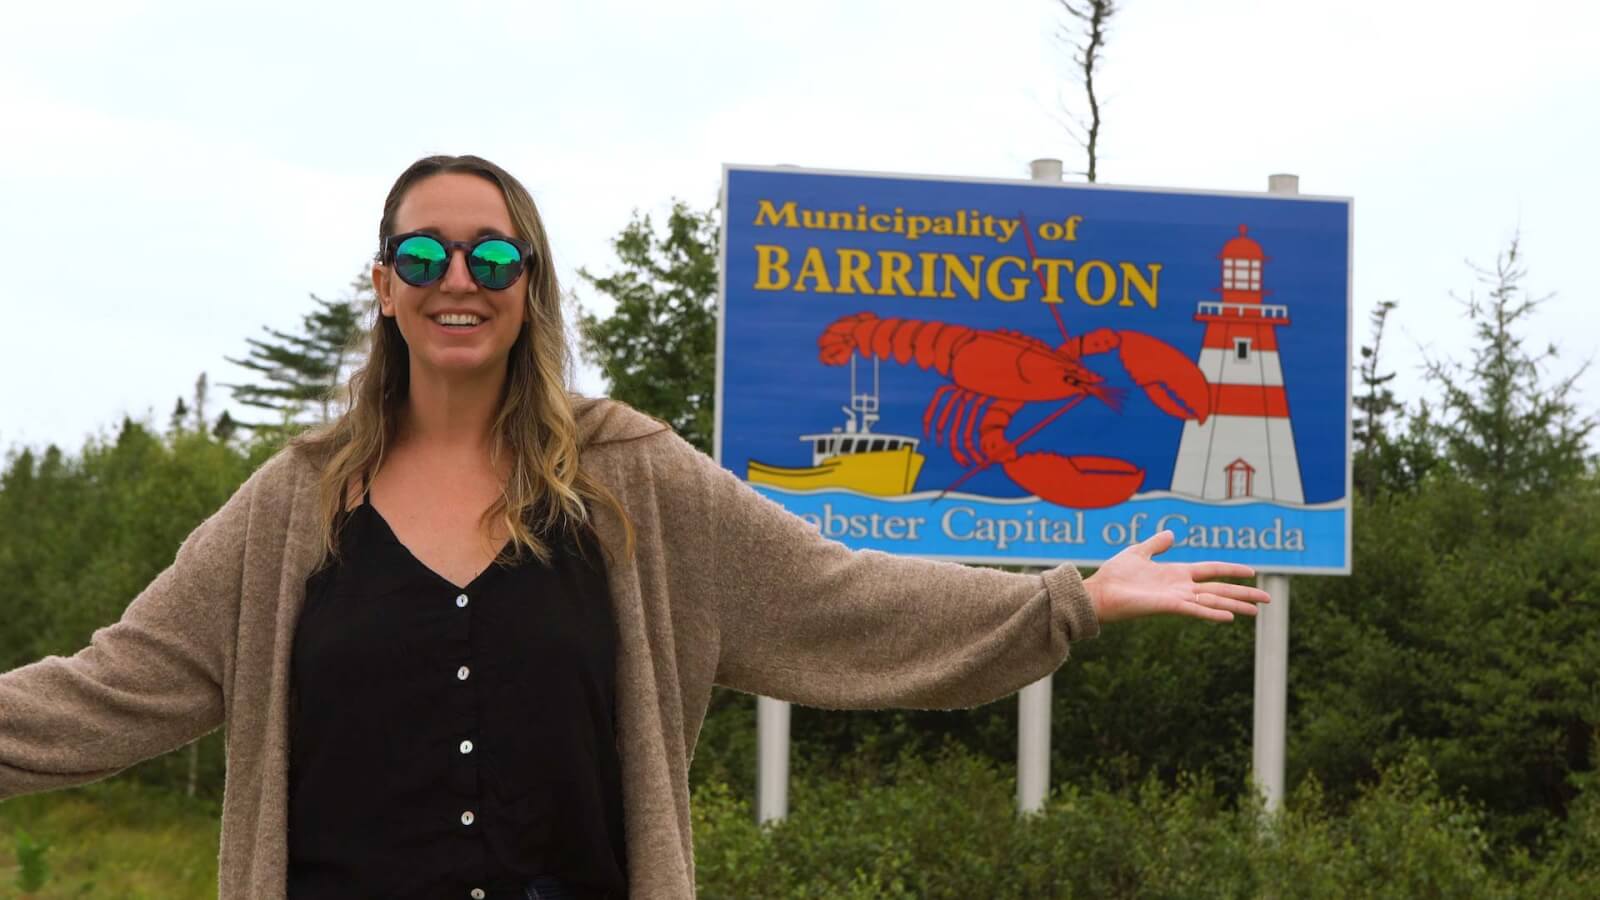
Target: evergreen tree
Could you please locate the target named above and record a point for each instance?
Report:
(191, 417)
(180, 415)
(1377, 401)
(1394, 450)
(300, 372)
(658, 348)
(225, 428)
(1505, 427)
(202, 397)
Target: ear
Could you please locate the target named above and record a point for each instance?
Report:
(382, 286)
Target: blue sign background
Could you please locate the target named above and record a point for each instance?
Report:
(773, 388)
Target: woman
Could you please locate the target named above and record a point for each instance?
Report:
(464, 638)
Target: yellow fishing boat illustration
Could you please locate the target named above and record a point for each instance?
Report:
(854, 457)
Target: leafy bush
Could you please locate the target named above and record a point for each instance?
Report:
(947, 829)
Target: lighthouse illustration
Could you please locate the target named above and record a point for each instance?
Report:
(1246, 447)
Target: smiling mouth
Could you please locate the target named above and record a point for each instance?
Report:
(461, 321)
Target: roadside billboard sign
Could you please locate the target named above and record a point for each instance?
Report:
(1036, 373)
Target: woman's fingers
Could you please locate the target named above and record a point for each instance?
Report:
(1206, 571)
(1234, 591)
(1157, 543)
(1214, 601)
(1195, 609)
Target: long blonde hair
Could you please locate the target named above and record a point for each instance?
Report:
(547, 493)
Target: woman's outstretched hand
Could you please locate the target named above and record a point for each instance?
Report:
(1132, 584)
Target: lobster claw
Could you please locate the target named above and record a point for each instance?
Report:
(1077, 482)
(1170, 378)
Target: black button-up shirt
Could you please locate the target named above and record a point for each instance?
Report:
(453, 742)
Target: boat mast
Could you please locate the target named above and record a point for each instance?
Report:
(864, 404)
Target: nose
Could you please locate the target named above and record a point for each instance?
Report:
(457, 279)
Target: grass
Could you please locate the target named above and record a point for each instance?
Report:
(113, 840)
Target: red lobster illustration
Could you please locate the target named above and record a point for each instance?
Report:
(994, 373)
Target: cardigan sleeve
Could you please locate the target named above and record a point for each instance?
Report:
(806, 619)
(147, 684)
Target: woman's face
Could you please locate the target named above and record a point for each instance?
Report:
(454, 207)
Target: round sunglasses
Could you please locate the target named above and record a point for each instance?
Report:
(420, 258)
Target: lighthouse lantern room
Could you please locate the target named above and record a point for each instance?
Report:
(1245, 448)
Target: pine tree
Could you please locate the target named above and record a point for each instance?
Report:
(1504, 426)
(225, 427)
(180, 415)
(1377, 401)
(301, 371)
(202, 398)
(192, 417)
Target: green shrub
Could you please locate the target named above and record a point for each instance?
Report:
(946, 828)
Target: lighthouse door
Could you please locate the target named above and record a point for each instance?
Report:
(1239, 477)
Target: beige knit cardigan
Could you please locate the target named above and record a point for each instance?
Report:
(724, 588)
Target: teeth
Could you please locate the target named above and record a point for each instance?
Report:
(457, 319)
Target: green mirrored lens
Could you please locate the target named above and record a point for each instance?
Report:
(420, 260)
(495, 263)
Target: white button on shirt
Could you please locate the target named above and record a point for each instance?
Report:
(466, 746)
(467, 817)
(461, 601)
(478, 894)
(462, 673)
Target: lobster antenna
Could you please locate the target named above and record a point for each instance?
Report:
(1033, 260)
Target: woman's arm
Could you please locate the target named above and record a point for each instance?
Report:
(805, 619)
(147, 684)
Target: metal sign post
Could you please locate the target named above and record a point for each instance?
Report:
(1033, 701)
(1272, 650)
(1033, 745)
(1272, 679)
(772, 761)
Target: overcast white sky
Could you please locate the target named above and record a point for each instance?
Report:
(174, 175)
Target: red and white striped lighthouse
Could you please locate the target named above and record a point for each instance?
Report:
(1246, 447)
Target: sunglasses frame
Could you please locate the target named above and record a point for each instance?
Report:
(391, 247)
